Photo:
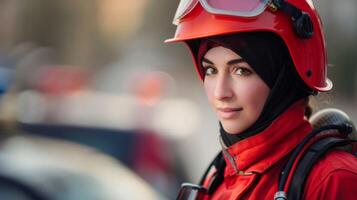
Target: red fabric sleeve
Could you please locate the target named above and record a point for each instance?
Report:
(340, 184)
(335, 177)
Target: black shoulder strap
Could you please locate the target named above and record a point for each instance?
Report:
(220, 164)
(218, 179)
(312, 155)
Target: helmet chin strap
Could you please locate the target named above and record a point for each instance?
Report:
(302, 23)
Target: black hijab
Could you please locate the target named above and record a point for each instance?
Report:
(267, 54)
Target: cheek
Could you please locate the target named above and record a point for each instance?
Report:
(209, 90)
(254, 95)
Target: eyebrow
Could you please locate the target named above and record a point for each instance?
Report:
(207, 61)
(231, 62)
(236, 61)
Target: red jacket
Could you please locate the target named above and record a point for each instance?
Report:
(254, 164)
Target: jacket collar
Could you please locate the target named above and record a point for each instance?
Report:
(258, 153)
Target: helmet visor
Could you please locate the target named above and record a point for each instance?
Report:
(184, 8)
(241, 8)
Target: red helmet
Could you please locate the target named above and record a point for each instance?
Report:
(202, 18)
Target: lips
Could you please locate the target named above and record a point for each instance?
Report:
(227, 113)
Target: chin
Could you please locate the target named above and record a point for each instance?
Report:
(233, 128)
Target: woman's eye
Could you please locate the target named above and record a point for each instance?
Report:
(243, 71)
(209, 70)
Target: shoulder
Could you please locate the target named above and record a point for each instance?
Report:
(334, 176)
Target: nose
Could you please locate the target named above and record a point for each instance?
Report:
(223, 89)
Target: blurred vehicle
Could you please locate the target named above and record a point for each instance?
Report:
(34, 167)
(37, 162)
(146, 153)
(137, 129)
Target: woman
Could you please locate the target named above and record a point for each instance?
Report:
(259, 61)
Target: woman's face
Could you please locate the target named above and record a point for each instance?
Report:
(236, 93)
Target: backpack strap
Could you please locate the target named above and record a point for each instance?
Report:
(305, 164)
(219, 164)
(219, 176)
(343, 129)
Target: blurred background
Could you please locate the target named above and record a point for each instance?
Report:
(94, 105)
